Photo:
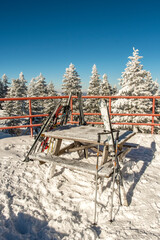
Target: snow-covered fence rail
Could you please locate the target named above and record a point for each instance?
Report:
(110, 98)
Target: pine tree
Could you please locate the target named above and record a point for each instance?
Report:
(71, 84)
(41, 91)
(33, 92)
(1, 89)
(71, 81)
(105, 87)
(17, 89)
(114, 90)
(134, 82)
(50, 103)
(5, 84)
(92, 104)
(1, 92)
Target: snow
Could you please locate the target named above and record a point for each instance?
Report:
(35, 207)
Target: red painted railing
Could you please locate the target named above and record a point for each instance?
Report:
(30, 116)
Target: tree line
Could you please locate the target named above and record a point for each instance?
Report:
(134, 81)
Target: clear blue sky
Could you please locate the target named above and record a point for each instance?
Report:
(46, 36)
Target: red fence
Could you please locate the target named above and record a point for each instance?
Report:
(30, 116)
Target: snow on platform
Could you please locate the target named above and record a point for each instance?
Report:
(35, 207)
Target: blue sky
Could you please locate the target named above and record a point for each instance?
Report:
(46, 36)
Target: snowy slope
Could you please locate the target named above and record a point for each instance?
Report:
(34, 207)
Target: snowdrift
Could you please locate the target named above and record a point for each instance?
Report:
(34, 206)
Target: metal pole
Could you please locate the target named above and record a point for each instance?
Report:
(95, 201)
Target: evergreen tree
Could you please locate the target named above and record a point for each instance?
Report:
(1, 92)
(50, 103)
(71, 83)
(41, 91)
(17, 89)
(5, 84)
(33, 92)
(92, 104)
(134, 82)
(1, 89)
(105, 87)
(114, 90)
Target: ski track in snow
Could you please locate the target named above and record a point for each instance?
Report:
(35, 207)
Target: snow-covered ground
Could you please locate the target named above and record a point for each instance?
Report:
(35, 207)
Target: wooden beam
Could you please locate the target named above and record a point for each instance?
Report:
(65, 149)
(81, 147)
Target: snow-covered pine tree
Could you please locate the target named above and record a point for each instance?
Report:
(1, 91)
(153, 87)
(23, 89)
(50, 103)
(13, 108)
(134, 83)
(92, 104)
(71, 83)
(33, 92)
(5, 84)
(41, 91)
(17, 89)
(114, 90)
(105, 87)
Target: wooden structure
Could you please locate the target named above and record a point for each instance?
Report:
(81, 140)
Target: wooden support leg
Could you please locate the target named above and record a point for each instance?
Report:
(104, 156)
(57, 146)
(86, 153)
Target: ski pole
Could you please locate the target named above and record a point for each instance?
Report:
(95, 206)
(114, 175)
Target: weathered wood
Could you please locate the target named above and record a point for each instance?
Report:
(81, 147)
(65, 149)
(104, 171)
(123, 153)
(104, 155)
(57, 146)
(125, 136)
(130, 145)
(86, 134)
(86, 153)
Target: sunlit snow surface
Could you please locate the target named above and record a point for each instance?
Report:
(35, 207)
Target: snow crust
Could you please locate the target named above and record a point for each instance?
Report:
(34, 206)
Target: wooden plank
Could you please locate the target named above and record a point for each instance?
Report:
(81, 147)
(125, 136)
(104, 155)
(96, 150)
(130, 145)
(86, 134)
(65, 149)
(57, 146)
(123, 153)
(104, 171)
